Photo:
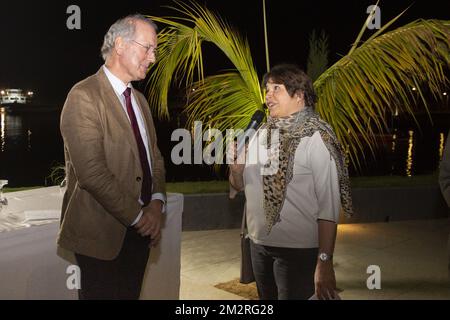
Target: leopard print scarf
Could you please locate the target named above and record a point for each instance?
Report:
(291, 130)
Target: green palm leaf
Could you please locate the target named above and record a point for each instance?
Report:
(228, 99)
(357, 93)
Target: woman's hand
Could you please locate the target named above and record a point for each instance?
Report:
(325, 280)
(236, 168)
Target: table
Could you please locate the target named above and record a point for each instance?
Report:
(30, 268)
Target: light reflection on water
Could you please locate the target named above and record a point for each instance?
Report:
(409, 157)
(29, 139)
(394, 144)
(2, 129)
(441, 145)
(394, 137)
(408, 152)
(30, 145)
(11, 130)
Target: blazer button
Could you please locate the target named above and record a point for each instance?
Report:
(138, 179)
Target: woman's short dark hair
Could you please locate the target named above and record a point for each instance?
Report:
(294, 79)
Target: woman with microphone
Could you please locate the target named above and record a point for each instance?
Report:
(294, 192)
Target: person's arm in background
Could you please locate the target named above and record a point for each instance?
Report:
(327, 191)
(444, 172)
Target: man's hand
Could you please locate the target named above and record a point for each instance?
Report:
(150, 222)
(325, 280)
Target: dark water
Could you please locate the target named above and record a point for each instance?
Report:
(31, 144)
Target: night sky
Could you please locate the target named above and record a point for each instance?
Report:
(38, 52)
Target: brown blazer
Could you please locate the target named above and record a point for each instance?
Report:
(103, 169)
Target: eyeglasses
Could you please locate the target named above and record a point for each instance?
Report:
(148, 49)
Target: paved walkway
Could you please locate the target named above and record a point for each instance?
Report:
(412, 257)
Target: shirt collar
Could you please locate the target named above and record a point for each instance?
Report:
(116, 83)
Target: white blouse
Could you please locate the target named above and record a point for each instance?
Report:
(312, 194)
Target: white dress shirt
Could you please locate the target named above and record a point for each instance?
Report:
(119, 88)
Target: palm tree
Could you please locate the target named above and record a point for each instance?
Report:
(318, 55)
(355, 95)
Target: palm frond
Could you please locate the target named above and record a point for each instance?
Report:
(226, 98)
(357, 93)
(180, 57)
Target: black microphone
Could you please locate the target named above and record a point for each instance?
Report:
(254, 123)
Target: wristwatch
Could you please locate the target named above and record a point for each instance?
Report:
(325, 256)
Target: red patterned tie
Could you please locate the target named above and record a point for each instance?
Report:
(146, 191)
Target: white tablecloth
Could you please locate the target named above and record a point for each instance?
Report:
(30, 268)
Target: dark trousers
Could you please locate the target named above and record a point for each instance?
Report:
(120, 278)
(283, 273)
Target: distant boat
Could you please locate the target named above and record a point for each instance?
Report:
(15, 97)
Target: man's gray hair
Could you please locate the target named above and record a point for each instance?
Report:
(125, 28)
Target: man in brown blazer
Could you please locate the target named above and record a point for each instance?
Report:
(115, 198)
